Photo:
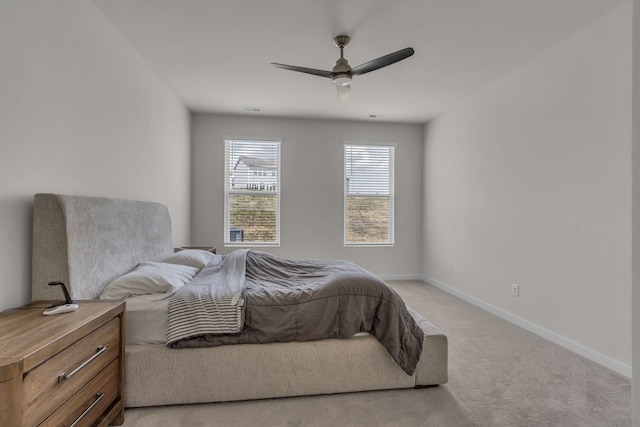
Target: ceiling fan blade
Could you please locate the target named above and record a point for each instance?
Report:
(383, 61)
(344, 92)
(315, 72)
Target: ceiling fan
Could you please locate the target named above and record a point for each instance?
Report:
(342, 73)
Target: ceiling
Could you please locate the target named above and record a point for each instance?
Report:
(216, 54)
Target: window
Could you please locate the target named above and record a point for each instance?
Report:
(252, 192)
(368, 194)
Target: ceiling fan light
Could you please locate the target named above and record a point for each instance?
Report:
(342, 80)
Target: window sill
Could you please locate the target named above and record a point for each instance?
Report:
(251, 245)
(369, 245)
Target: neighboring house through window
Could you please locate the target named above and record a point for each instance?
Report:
(252, 192)
(369, 194)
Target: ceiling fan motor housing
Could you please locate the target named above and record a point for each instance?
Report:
(342, 69)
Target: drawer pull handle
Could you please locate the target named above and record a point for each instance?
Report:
(65, 376)
(99, 397)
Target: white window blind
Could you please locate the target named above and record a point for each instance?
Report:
(252, 192)
(369, 194)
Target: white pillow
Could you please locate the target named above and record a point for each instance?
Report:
(191, 257)
(150, 278)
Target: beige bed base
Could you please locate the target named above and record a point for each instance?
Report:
(87, 242)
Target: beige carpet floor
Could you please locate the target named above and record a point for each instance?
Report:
(499, 375)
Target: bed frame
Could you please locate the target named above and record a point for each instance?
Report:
(87, 242)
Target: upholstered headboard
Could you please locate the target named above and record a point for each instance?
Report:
(86, 242)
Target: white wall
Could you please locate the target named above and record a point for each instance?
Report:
(80, 113)
(635, 385)
(312, 187)
(529, 182)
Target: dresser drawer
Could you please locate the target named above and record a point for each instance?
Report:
(88, 404)
(45, 387)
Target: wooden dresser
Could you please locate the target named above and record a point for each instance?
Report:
(65, 369)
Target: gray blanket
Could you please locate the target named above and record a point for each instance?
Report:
(212, 302)
(286, 300)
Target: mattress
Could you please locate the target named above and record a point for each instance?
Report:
(146, 319)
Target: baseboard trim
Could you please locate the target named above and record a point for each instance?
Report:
(601, 359)
(402, 277)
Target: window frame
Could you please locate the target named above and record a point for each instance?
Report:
(390, 242)
(228, 190)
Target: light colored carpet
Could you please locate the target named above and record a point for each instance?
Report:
(499, 375)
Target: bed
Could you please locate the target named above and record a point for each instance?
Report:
(88, 242)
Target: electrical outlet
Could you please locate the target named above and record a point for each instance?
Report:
(450, 268)
(515, 289)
